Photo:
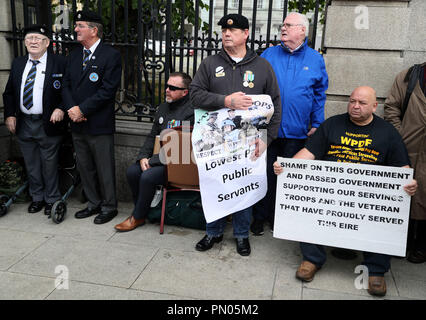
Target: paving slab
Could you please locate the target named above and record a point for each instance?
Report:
(411, 289)
(144, 265)
(201, 276)
(86, 291)
(174, 237)
(264, 248)
(19, 219)
(287, 287)
(24, 287)
(15, 245)
(403, 269)
(98, 262)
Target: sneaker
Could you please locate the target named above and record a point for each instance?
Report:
(158, 196)
(257, 227)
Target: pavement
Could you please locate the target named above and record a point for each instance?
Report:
(76, 259)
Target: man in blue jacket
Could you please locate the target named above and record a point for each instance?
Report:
(303, 80)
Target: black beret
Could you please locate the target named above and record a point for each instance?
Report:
(88, 16)
(234, 20)
(37, 28)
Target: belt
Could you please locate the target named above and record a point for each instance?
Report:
(33, 116)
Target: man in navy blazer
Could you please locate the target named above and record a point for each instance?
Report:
(33, 110)
(91, 81)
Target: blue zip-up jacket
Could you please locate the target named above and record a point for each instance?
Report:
(303, 80)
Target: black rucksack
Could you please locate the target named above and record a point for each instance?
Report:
(413, 75)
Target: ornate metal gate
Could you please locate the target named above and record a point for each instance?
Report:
(157, 37)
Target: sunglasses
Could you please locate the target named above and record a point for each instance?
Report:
(173, 88)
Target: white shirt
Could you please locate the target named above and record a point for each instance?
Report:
(236, 59)
(92, 48)
(37, 107)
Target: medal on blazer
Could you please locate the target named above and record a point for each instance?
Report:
(248, 79)
(93, 77)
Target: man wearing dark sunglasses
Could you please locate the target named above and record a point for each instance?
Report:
(148, 171)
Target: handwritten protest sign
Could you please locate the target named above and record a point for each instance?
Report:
(223, 144)
(346, 205)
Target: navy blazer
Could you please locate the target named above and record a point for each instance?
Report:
(52, 87)
(93, 89)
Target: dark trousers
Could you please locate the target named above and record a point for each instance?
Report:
(264, 209)
(378, 264)
(96, 165)
(143, 185)
(41, 159)
(416, 235)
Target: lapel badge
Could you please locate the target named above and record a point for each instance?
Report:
(56, 84)
(93, 77)
(220, 72)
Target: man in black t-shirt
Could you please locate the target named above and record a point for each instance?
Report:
(358, 136)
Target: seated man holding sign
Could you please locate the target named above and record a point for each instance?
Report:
(374, 141)
(226, 80)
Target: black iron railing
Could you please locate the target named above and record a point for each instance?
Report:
(157, 37)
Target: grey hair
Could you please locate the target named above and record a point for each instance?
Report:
(303, 20)
(98, 26)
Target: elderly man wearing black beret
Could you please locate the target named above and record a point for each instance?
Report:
(33, 110)
(90, 84)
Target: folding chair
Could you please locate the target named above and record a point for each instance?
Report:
(180, 175)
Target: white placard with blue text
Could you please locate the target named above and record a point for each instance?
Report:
(354, 206)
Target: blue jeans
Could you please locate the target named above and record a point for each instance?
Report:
(378, 264)
(240, 222)
(264, 209)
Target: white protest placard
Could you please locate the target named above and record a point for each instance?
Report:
(223, 144)
(346, 205)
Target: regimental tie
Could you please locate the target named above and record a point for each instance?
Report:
(27, 99)
(86, 59)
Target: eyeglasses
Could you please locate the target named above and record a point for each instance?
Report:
(34, 38)
(289, 25)
(82, 26)
(173, 88)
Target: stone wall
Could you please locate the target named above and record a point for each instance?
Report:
(369, 43)
(128, 140)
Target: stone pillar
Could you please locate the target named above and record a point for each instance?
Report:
(369, 43)
(6, 52)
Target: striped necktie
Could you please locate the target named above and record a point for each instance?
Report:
(86, 55)
(27, 100)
